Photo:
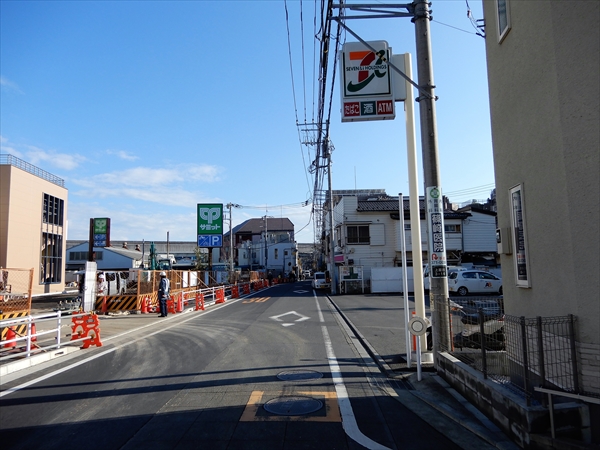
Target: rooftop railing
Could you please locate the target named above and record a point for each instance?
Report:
(11, 160)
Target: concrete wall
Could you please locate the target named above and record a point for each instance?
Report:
(509, 411)
(544, 101)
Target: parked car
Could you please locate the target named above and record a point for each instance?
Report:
(320, 281)
(493, 325)
(474, 281)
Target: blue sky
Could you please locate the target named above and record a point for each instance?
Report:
(147, 108)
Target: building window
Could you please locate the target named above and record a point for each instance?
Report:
(276, 253)
(78, 256)
(53, 210)
(83, 256)
(519, 232)
(503, 15)
(51, 258)
(452, 228)
(357, 234)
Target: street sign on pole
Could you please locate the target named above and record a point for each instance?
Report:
(210, 225)
(366, 82)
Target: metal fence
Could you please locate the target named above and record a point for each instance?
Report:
(519, 352)
(15, 290)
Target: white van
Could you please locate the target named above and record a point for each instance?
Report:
(320, 281)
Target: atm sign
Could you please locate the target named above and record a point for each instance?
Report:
(368, 110)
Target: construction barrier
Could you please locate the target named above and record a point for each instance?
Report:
(199, 301)
(114, 303)
(86, 327)
(220, 296)
(235, 292)
(171, 305)
(19, 329)
(247, 288)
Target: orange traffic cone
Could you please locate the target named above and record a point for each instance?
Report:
(33, 332)
(145, 305)
(10, 334)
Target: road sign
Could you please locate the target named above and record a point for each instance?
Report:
(210, 240)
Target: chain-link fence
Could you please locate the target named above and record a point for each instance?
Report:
(15, 290)
(516, 351)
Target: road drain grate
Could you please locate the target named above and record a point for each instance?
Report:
(293, 405)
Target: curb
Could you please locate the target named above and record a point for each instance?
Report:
(12, 367)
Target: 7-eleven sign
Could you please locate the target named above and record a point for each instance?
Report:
(366, 82)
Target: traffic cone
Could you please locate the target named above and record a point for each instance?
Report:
(180, 303)
(145, 305)
(10, 334)
(33, 332)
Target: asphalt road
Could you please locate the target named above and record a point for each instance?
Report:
(274, 370)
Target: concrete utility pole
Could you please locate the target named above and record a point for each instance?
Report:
(332, 273)
(438, 290)
(266, 244)
(231, 205)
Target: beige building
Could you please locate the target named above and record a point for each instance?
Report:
(33, 223)
(543, 69)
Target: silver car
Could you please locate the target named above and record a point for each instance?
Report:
(475, 282)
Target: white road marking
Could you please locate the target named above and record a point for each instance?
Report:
(301, 318)
(348, 419)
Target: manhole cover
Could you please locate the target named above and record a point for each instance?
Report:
(299, 375)
(293, 405)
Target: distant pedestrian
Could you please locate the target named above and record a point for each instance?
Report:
(163, 293)
(270, 278)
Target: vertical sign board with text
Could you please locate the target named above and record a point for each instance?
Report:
(366, 82)
(210, 225)
(437, 242)
(101, 232)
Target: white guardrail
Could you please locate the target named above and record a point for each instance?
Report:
(44, 331)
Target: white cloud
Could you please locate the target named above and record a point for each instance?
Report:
(168, 186)
(123, 155)
(8, 85)
(63, 161)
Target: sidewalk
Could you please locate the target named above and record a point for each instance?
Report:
(378, 322)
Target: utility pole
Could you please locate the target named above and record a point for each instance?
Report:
(332, 274)
(231, 205)
(266, 244)
(429, 146)
(419, 12)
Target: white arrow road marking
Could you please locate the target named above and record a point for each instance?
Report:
(300, 292)
(300, 318)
